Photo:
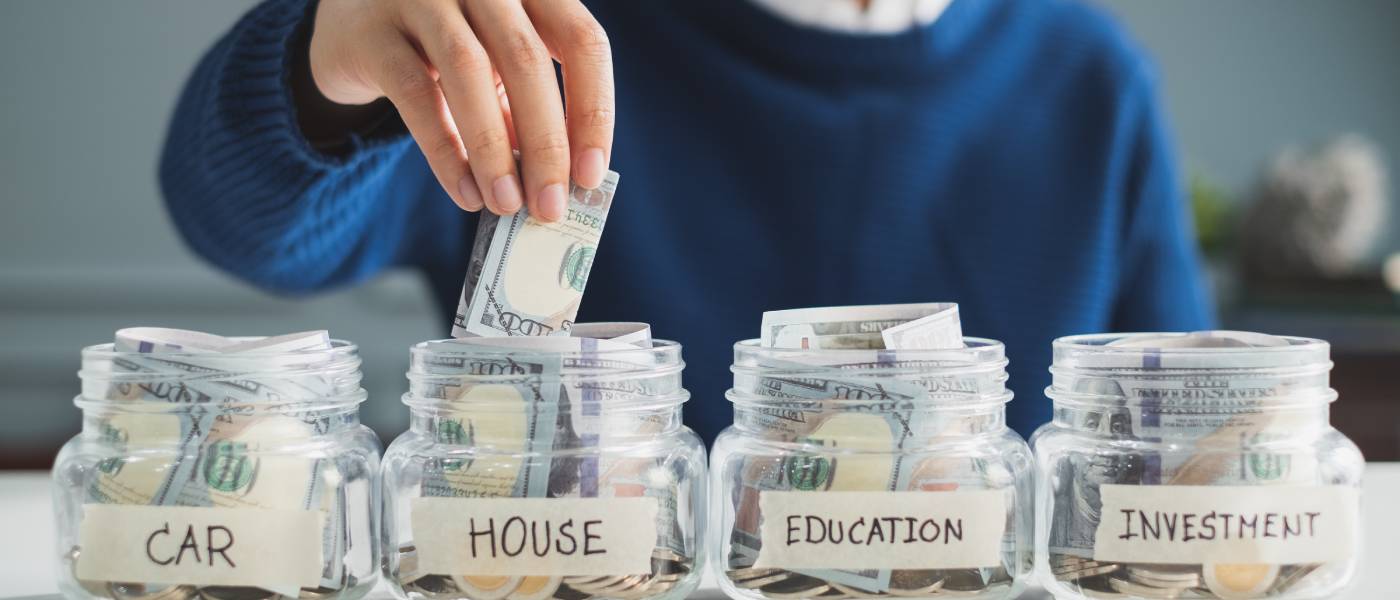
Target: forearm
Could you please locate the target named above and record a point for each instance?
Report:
(252, 194)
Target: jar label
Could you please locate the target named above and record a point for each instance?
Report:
(1203, 524)
(534, 536)
(194, 545)
(890, 530)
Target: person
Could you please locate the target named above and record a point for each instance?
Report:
(1008, 155)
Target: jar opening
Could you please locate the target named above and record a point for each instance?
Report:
(284, 380)
(451, 375)
(1198, 372)
(960, 378)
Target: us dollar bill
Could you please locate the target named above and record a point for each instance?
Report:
(883, 326)
(861, 422)
(526, 277)
(1225, 416)
(218, 433)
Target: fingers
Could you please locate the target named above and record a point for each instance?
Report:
(468, 84)
(404, 78)
(527, 71)
(582, 47)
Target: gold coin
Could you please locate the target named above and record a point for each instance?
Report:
(486, 587)
(1232, 582)
(535, 588)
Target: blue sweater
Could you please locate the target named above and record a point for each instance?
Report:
(1011, 156)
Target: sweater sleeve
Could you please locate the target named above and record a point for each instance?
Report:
(1161, 285)
(251, 195)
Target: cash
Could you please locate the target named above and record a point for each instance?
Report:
(668, 570)
(1147, 393)
(858, 414)
(548, 411)
(555, 397)
(526, 277)
(237, 397)
(885, 326)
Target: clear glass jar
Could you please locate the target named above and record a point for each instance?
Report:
(559, 470)
(1263, 494)
(864, 473)
(216, 476)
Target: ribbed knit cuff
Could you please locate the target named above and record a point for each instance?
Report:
(255, 92)
(245, 187)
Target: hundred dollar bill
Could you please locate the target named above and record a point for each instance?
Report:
(530, 276)
(1220, 414)
(219, 433)
(884, 326)
(886, 423)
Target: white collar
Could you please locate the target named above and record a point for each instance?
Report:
(881, 16)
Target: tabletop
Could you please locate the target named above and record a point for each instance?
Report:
(27, 549)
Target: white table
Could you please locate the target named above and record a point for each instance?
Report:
(27, 549)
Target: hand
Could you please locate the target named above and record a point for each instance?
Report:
(474, 79)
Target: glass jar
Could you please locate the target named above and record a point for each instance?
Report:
(215, 476)
(1194, 465)
(864, 473)
(544, 467)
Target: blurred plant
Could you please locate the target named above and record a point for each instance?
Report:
(1214, 214)
(1316, 213)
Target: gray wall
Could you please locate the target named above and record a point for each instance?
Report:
(86, 89)
(1242, 79)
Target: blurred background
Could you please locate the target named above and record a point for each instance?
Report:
(1285, 115)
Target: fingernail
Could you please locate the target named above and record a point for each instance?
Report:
(471, 196)
(552, 202)
(591, 168)
(506, 192)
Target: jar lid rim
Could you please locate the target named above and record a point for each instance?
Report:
(1099, 342)
(986, 349)
(338, 347)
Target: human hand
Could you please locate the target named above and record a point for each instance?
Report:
(473, 80)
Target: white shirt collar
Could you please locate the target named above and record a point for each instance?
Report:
(881, 16)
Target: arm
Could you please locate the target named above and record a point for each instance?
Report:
(252, 195)
(1161, 284)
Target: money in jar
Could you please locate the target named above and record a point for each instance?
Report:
(869, 457)
(215, 467)
(545, 467)
(1195, 465)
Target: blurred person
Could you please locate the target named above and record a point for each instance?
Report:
(1008, 155)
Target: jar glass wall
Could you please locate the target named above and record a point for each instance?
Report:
(557, 470)
(863, 473)
(1198, 466)
(203, 475)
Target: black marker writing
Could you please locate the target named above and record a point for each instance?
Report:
(873, 530)
(1189, 527)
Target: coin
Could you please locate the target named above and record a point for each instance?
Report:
(796, 586)
(756, 582)
(486, 587)
(567, 592)
(140, 591)
(1143, 591)
(535, 588)
(1231, 582)
(1164, 576)
(853, 592)
(910, 582)
(236, 593)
